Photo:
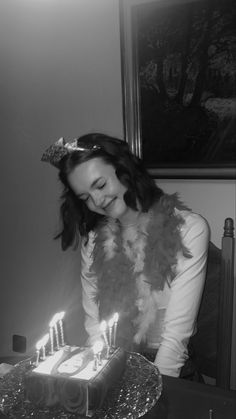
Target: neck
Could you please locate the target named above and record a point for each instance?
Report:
(131, 218)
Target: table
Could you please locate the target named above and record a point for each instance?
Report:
(183, 399)
(180, 399)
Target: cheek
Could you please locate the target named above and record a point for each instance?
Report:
(117, 188)
(122, 191)
(93, 208)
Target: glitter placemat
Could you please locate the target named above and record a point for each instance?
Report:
(133, 396)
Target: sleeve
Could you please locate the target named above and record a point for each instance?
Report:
(185, 297)
(89, 291)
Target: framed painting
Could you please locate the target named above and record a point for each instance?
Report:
(178, 61)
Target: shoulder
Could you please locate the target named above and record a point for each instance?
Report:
(195, 229)
(193, 221)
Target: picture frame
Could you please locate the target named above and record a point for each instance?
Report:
(179, 86)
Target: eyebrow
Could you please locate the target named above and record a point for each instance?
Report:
(92, 186)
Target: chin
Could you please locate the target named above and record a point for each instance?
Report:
(118, 214)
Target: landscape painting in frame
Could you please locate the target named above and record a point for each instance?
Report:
(184, 72)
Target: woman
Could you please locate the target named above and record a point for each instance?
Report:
(143, 253)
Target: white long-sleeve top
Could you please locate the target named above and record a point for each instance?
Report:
(178, 303)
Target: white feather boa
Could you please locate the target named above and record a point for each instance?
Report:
(123, 255)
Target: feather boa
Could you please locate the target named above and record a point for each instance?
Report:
(133, 262)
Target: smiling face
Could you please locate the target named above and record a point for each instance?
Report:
(95, 182)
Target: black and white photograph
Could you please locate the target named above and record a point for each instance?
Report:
(118, 209)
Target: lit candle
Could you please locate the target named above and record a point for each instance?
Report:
(60, 318)
(44, 341)
(38, 347)
(51, 340)
(51, 334)
(110, 325)
(103, 328)
(95, 364)
(115, 318)
(99, 351)
(56, 318)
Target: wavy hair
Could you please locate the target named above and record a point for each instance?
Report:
(77, 220)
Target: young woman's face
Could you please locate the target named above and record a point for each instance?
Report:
(95, 182)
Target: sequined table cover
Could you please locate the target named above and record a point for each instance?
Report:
(133, 396)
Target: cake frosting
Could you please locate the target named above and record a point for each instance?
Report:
(71, 378)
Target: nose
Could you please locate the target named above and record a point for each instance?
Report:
(97, 198)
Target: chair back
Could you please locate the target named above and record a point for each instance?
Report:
(211, 345)
(225, 307)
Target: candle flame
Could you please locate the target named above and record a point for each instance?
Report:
(38, 345)
(116, 317)
(103, 326)
(60, 315)
(111, 322)
(97, 347)
(53, 320)
(42, 342)
(56, 317)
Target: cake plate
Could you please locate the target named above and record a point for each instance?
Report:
(134, 395)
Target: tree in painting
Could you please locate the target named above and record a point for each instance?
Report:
(186, 58)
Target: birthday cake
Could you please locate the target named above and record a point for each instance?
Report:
(75, 378)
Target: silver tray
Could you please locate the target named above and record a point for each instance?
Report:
(133, 396)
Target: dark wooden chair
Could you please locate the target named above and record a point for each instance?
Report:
(211, 345)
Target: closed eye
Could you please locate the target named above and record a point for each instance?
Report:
(101, 186)
(98, 184)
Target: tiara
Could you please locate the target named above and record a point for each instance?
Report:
(61, 148)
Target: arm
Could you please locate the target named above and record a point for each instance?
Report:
(185, 297)
(89, 291)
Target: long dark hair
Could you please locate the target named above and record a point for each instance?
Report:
(77, 219)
